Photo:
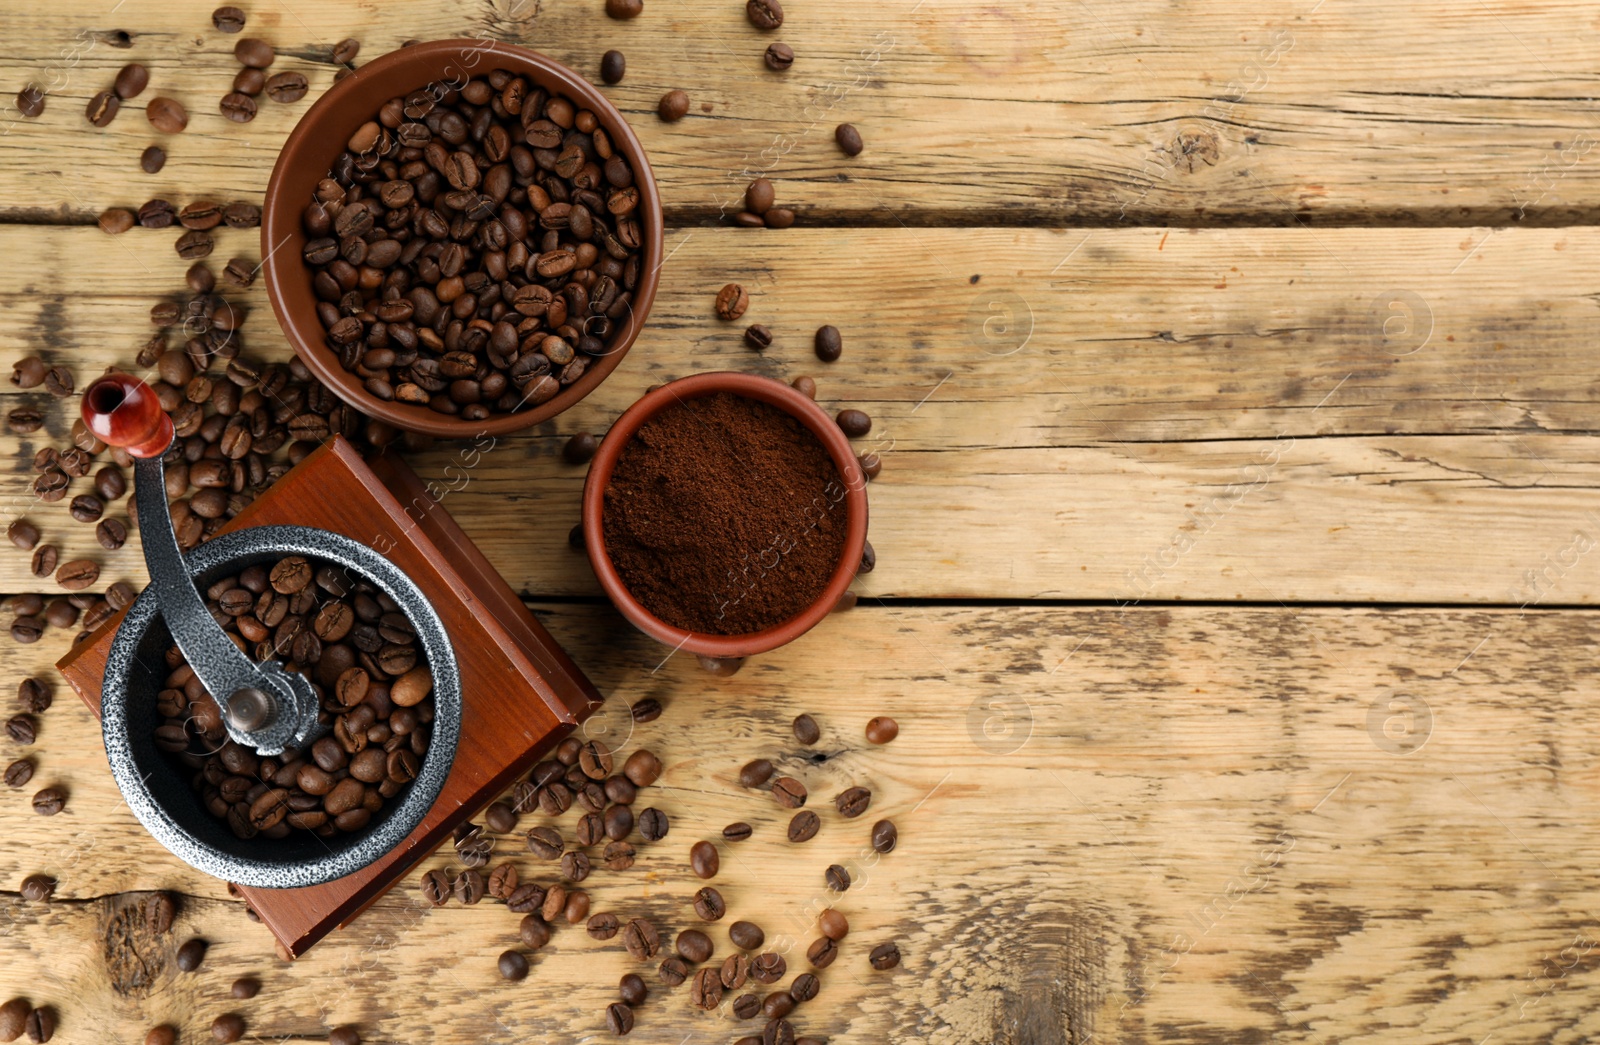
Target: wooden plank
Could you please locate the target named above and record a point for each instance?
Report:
(1269, 414)
(1144, 111)
(1192, 825)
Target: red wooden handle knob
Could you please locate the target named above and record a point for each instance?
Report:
(122, 410)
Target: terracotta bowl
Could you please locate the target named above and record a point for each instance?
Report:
(317, 141)
(792, 402)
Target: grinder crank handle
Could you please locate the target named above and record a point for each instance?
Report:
(264, 706)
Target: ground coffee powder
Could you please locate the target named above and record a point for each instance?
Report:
(724, 515)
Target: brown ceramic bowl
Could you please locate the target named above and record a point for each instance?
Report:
(317, 141)
(791, 402)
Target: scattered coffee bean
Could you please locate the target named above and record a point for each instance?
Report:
(501, 818)
(166, 1034)
(30, 101)
(822, 952)
(469, 887)
(116, 221)
(77, 574)
(241, 215)
(764, 14)
(41, 1024)
(673, 971)
(789, 792)
(854, 423)
(882, 729)
(346, 1035)
(732, 301)
(228, 1028)
(228, 19)
(869, 558)
(704, 860)
(152, 159)
(646, 710)
(513, 965)
(237, 107)
(86, 508)
(871, 466)
(674, 106)
(49, 801)
(777, 1005)
(632, 989)
(624, 9)
(640, 939)
(287, 87)
(23, 534)
(833, 924)
(525, 899)
(619, 1017)
(709, 905)
(103, 108)
(166, 115)
(768, 967)
(131, 81)
(33, 695)
(58, 381)
(747, 936)
(194, 244)
(806, 730)
(694, 946)
(579, 449)
(249, 81)
(884, 956)
(37, 888)
(852, 802)
(345, 51)
(603, 926)
(706, 990)
(534, 931)
(14, 1019)
(643, 768)
(828, 343)
(575, 866)
(28, 372)
(19, 772)
(245, 988)
(758, 337)
(837, 877)
(755, 773)
(612, 66)
(779, 57)
(804, 825)
(746, 1007)
(44, 559)
(849, 139)
(737, 832)
(253, 52)
(191, 954)
(758, 196)
(884, 836)
(159, 911)
(22, 729)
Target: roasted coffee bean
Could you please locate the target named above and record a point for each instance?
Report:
(806, 730)
(747, 936)
(848, 138)
(612, 66)
(705, 991)
(86, 508)
(103, 108)
(704, 860)
(501, 818)
(869, 558)
(643, 768)
(513, 965)
(709, 905)
(27, 605)
(693, 946)
(646, 710)
(789, 792)
(624, 9)
(525, 899)
(737, 832)
(590, 830)
(239, 272)
(884, 956)
(77, 574)
(674, 106)
(28, 372)
(881, 730)
(603, 926)
(191, 954)
(286, 87)
(732, 301)
(345, 51)
(37, 888)
(22, 729)
(575, 866)
(58, 382)
(822, 952)
(194, 244)
(673, 971)
(641, 940)
(436, 888)
(33, 695)
(805, 987)
(619, 1018)
(854, 423)
(768, 967)
(735, 971)
(595, 759)
(746, 1007)
(577, 908)
(758, 196)
(755, 773)
(159, 214)
(833, 924)
(131, 81)
(19, 772)
(871, 467)
(803, 826)
(49, 801)
(255, 53)
(27, 630)
(41, 1024)
(152, 159)
(30, 101)
(502, 881)
(852, 802)
(241, 216)
(166, 115)
(579, 449)
(238, 107)
(228, 19)
(777, 1005)
(758, 337)
(884, 836)
(158, 910)
(618, 821)
(227, 1028)
(764, 14)
(837, 877)
(828, 343)
(632, 989)
(469, 886)
(23, 534)
(245, 988)
(44, 559)
(116, 221)
(24, 420)
(779, 57)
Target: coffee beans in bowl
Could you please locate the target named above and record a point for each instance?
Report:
(462, 254)
(724, 514)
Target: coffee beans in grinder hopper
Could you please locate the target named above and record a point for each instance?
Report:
(472, 263)
(360, 652)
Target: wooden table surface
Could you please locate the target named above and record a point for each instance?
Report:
(1231, 366)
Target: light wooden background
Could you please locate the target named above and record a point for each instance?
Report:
(1232, 369)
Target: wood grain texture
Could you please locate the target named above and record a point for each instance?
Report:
(1144, 111)
(1296, 415)
(1192, 825)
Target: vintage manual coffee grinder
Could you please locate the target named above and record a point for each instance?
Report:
(504, 692)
